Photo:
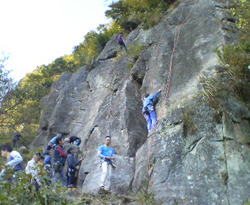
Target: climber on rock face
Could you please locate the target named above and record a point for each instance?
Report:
(149, 109)
(121, 41)
(106, 153)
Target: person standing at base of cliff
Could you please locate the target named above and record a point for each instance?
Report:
(59, 161)
(33, 169)
(72, 168)
(121, 41)
(149, 109)
(14, 160)
(106, 153)
(16, 139)
(52, 142)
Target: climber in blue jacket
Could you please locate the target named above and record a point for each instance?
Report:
(149, 109)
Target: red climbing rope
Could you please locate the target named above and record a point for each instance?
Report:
(176, 39)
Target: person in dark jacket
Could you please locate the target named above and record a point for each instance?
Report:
(149, 109)
(74, 140)
(14, 160)
(121, 41)
(59, 161)
(16, 139)
(72, 168)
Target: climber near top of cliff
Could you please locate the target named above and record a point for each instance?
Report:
(106, 153)
(121, 41)
(149, 109)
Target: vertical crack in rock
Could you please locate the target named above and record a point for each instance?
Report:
(226, 175)
(88, 137)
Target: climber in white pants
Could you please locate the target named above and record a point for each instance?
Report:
(106, 153)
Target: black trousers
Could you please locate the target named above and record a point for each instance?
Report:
(71, 178)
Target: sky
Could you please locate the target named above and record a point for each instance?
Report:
(36, 32)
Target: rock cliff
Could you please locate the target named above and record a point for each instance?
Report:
(192, 156)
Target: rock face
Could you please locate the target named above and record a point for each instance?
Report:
(190, 157)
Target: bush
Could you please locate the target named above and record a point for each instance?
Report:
(232, 78)
(146, 198)
(135, 51)
(131, 13)
(24, 192)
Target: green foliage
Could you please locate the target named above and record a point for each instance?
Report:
(23, 191)
(240, 10)
(130, 13)
(135, 51)
(146, 198)
(95, 41)
(232, 79)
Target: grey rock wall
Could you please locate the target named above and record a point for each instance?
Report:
(190, 157)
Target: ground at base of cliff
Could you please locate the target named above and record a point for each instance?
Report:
(108, 198)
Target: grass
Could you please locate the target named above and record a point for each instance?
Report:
(134, 51)
(231, 79)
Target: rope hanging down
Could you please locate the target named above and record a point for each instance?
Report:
(176, 39)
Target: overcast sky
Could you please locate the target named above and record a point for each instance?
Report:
(36, 32)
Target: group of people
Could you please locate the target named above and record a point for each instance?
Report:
(55, 158)
(52, 162)
(62, 158)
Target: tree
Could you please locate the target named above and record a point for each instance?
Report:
(6, 83)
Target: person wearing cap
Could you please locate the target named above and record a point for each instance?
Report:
(72, 168)
(106, 153)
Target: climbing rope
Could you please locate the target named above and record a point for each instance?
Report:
(176, 39)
